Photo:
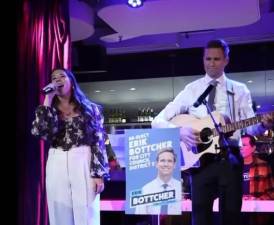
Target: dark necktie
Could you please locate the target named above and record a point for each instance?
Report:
(212, 96)
(164, 207)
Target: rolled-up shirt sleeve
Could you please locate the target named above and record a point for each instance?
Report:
(178, 106)
(246, 112)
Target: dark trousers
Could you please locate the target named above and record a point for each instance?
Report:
(222, 179)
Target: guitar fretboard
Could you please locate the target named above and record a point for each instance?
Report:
(240, 124)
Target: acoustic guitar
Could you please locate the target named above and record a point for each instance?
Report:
(208, 133)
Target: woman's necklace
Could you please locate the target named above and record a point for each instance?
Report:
(67, 111)
(68, 114)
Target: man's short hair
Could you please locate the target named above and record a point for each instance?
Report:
(219, 43)
(170, 150)
(252, 140)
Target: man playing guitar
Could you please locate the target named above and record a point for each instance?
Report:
(220, 174)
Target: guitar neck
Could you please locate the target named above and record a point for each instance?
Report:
(240, 124)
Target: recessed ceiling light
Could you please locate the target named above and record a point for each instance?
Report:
(250, 81)
(111, 90)
(132, 89)
(258, 106)
(97, 91)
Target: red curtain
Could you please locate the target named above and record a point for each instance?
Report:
(43, 43)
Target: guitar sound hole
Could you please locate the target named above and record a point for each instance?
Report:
(206, 134)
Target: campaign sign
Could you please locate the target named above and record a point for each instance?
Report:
(153, 177)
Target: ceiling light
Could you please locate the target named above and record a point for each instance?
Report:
(111, 90)
(250, 81)
(132, 89)
(135, 3)
(258, 106)
(97, 91)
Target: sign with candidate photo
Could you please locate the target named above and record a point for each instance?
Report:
(153, 177)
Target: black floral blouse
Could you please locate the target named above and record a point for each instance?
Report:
(72, 132)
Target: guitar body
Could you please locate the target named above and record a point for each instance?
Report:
(210, 140)
(202, 125)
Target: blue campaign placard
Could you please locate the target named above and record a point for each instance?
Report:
(153, 177)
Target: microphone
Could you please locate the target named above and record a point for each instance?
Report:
(50, 88)
(205, 94)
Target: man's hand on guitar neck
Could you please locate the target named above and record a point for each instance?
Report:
(267, 121)
(189, 136)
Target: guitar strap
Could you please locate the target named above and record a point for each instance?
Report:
(230, 98)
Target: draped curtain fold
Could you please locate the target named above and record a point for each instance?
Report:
(43, 43)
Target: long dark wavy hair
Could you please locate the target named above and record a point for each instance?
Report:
(82, 103)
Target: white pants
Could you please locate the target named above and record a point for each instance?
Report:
(70, 189)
